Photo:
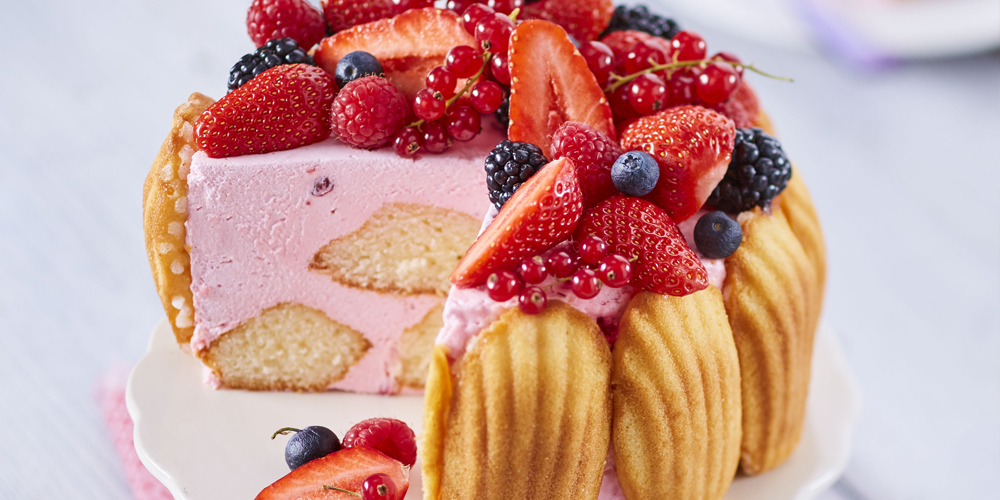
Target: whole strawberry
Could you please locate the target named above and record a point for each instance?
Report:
(296, 19)
(593, 153)
(641, 231)
(368, 111)
(692, 146)
(342, 14)
(282, 108)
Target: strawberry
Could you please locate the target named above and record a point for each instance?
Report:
(408, 45)
(593, 153)
(345, 469)
(640, 231)
(551, 84)
(297, 19)
(584, 19)
(282, 108)
(344, 14)
(387, 435)
(743, 106)
(542, 212)
(692, 145)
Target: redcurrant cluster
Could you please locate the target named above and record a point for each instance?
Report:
(663, 73)
(446, 115)
(501, 6)
(378, 486)
(591, 268)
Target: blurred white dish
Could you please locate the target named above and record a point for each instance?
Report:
(206, 444)
(906, 29)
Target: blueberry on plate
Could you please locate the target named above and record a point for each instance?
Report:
(716, 235)
(308, 444)
(357, 64)
(635, 173)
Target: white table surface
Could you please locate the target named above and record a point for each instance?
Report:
(903, 166)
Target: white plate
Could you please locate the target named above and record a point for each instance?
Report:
(206, 444)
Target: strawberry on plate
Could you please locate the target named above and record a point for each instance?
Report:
(344, 14)
(542, 212)
(638, 230)
(584, 19)
(551, 84)
(408, 45)
(593, 153)
(692, 146)
(345, 469)
(282, 108)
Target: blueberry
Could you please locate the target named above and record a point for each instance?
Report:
(357, 64)
(308, 444)
(635, 173)
(716, 235)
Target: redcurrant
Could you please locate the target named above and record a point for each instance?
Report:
(586, 284)
(436, 138)
(429, 105)
(463, 123)
(486, 96)
(473, 14)
(688, 46)
(532, 300)
(716, 83)
(533, 270)
(647, 94)
(500, 69)
(442, 80)
(505, 6)
(681, 86)
(378, 487)
(407, 142)
(493, 32)
(463, 61)
(561, 265)
(401, 6)
(592, 249)
(620, 103)
(645, 54)
(600, 59)
(730, 58)
(502, 286)
(615, 271)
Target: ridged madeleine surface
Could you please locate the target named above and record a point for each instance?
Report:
(797, 206)
(530, 412)
(676, 382)
(770, 291)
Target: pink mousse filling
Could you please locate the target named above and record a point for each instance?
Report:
(470, 310)
(255, 222)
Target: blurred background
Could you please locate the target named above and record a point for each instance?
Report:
(893, 119)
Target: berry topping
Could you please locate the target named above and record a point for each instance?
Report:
(692, 146)
(758, 171)
(368, 112)
(308, 444)
(582, 19)
(532, 300)
(600, 59)
(502, 286)
(716, 83)
(296, 113)
(436, 139)
(615, 271)
(378, 487)
(463, 123)
(635, 173)
(343, 14)
(716, 235)
(551, 84)
(543, 212)
(646, 236)
(639, 18)
(273, 53)
(295, 19)
(508, 166)
(357, 64)
(561, 264)
(593, 153)
(387, 435)
(592, 249)
(408, 45)
(345, 470)
(585, 283)
(493, 32)
(429, 105)
(407, 142)
(486, 97)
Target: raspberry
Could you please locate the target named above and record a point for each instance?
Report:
(296, 19)
(758, 172)
(368, 111)
(387, 435)
(593, 154)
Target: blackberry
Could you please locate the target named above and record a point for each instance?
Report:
(273, 53)
(639, 18)
(758, 171)
(503, 112)
(508, 166)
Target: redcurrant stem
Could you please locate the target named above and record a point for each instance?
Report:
(468, 84)
(342, 490)
(622, 80)
(283, 431)
(514, 13)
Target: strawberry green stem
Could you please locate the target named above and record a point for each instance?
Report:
(283, 431)
(342, 490)
(468, 84)
(622, 80)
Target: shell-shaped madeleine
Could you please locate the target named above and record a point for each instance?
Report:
(797, 206)
(530, 411)
(770, 291)
(676, 381)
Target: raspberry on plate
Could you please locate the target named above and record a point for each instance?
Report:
(692, 146)
(295, 19)
(297, 100)
(636, 229)
(387, 435)
(583, 19)
(593, 153)
(367, 112)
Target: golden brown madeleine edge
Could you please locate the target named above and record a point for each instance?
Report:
(164, 211)
(676, 379)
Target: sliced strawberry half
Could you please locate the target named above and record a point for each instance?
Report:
(584, 19)
(408, 45)
(641, 231)
(345, 469)
(692, 146)
(542, 212)
(551, 84)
